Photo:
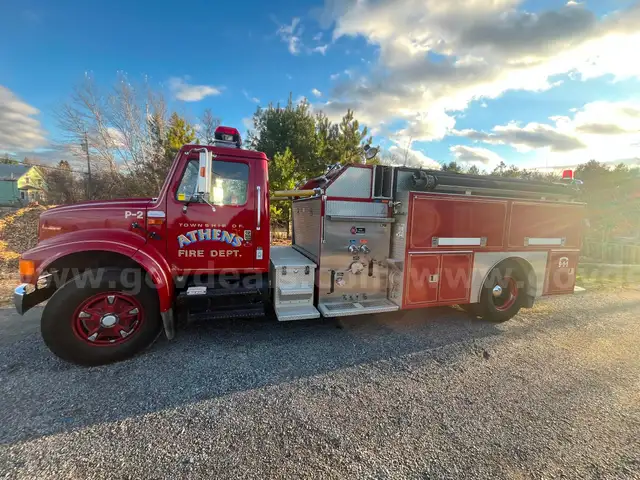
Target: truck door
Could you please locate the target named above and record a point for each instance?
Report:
(218, 237)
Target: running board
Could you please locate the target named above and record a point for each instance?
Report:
(345, 309)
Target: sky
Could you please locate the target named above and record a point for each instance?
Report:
(538, 83)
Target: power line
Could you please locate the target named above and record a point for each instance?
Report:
(16, 162)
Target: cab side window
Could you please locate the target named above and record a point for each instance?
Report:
(230, 183)
(228, 186)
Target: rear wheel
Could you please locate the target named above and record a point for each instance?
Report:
(502, 294)
(100, 323)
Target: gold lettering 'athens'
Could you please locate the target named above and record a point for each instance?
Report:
(209, 235)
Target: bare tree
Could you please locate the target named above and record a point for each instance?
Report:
(209, 123)
(125, 130)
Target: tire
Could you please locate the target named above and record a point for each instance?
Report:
(102, 323)
(498, 309)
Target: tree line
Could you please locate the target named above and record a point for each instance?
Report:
(132, 139)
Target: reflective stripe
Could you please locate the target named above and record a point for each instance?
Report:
(459, 242)
(558, 242)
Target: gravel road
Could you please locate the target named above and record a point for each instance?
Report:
(555, 393)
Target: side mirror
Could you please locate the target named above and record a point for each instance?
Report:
(204, 174)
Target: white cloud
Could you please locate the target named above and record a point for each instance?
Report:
(187, 92)
(437, 57)
(335, 76)
(316, 92)
(290, 34)
(19, 128)
(474, 155)
(247, 122)
(116, 138)
(425, 126)
(321, 49)
(412, 158)
(526, 138)
(605, 131)
(249, 97)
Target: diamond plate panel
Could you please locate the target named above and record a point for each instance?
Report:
(344, 309)
(292, 279)
(307, 226)
(354, 182)
(396, 284)
(290, 314)
(399, 228)
(357, 209)
(295, 278)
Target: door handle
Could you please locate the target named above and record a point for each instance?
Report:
(259, 206)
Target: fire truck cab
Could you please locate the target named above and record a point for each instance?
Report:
(366, 239)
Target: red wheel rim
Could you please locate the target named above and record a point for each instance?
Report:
(107, 319)
(509, 294)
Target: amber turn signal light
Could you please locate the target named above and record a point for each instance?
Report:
(27, 268)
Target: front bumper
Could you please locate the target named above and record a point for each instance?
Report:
(27, 296)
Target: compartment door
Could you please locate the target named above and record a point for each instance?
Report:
(422, 279)
(455, 278)
(561, 273)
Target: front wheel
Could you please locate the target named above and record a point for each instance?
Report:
(96, 319)
(503, 293)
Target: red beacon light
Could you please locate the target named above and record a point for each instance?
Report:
(567, 177)
(227, 137)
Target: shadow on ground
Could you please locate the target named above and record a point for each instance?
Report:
(43, 395)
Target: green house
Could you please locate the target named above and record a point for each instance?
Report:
(21, 185)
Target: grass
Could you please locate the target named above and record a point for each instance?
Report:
(8, 282)
(593, 276)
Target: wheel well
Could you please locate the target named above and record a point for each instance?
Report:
(75, 263)
(527, 270)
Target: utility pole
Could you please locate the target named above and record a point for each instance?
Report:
(86, 147)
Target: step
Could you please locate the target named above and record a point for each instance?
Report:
(286, 291)
(296, 312)
(246, 312)
(345, 309)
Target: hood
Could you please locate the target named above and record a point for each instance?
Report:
(118, 214)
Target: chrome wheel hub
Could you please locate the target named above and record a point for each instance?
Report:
(108, 321)
(497, 291)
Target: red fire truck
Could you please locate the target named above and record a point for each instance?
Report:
(366, 239)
